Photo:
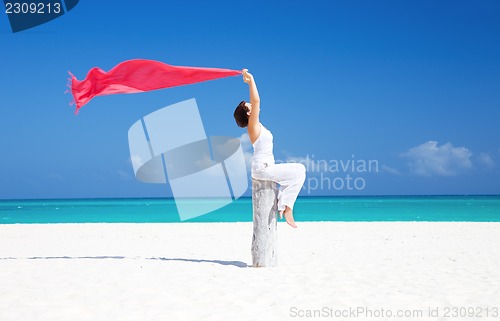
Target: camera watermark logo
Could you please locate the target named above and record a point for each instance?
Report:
(205, 173)
(336, 174)
(26, 14)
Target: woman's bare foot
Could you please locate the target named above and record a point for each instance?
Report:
(288, 217)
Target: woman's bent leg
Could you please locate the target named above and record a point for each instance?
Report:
(290, 177)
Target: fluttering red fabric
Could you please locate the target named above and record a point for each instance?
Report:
(139, 75)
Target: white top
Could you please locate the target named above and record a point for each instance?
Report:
(263, 150)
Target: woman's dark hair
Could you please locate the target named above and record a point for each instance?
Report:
(240, 114)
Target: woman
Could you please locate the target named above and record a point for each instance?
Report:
(289, 176)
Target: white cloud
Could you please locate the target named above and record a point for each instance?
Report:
(390, 170)
(202, 163)
(430, 159)
(485, 160)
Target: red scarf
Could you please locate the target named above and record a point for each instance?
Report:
(139, 75)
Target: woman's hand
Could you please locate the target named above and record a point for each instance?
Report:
(247, 77)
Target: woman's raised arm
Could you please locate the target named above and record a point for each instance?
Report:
(253, 119)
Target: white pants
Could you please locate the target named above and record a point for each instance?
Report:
(290, 177)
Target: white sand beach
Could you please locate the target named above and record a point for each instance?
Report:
(199, 271)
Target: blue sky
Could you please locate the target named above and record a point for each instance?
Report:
(413, 86)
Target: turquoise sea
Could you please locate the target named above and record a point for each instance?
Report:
(354, 208)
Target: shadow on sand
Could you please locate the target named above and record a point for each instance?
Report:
(221, 262)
